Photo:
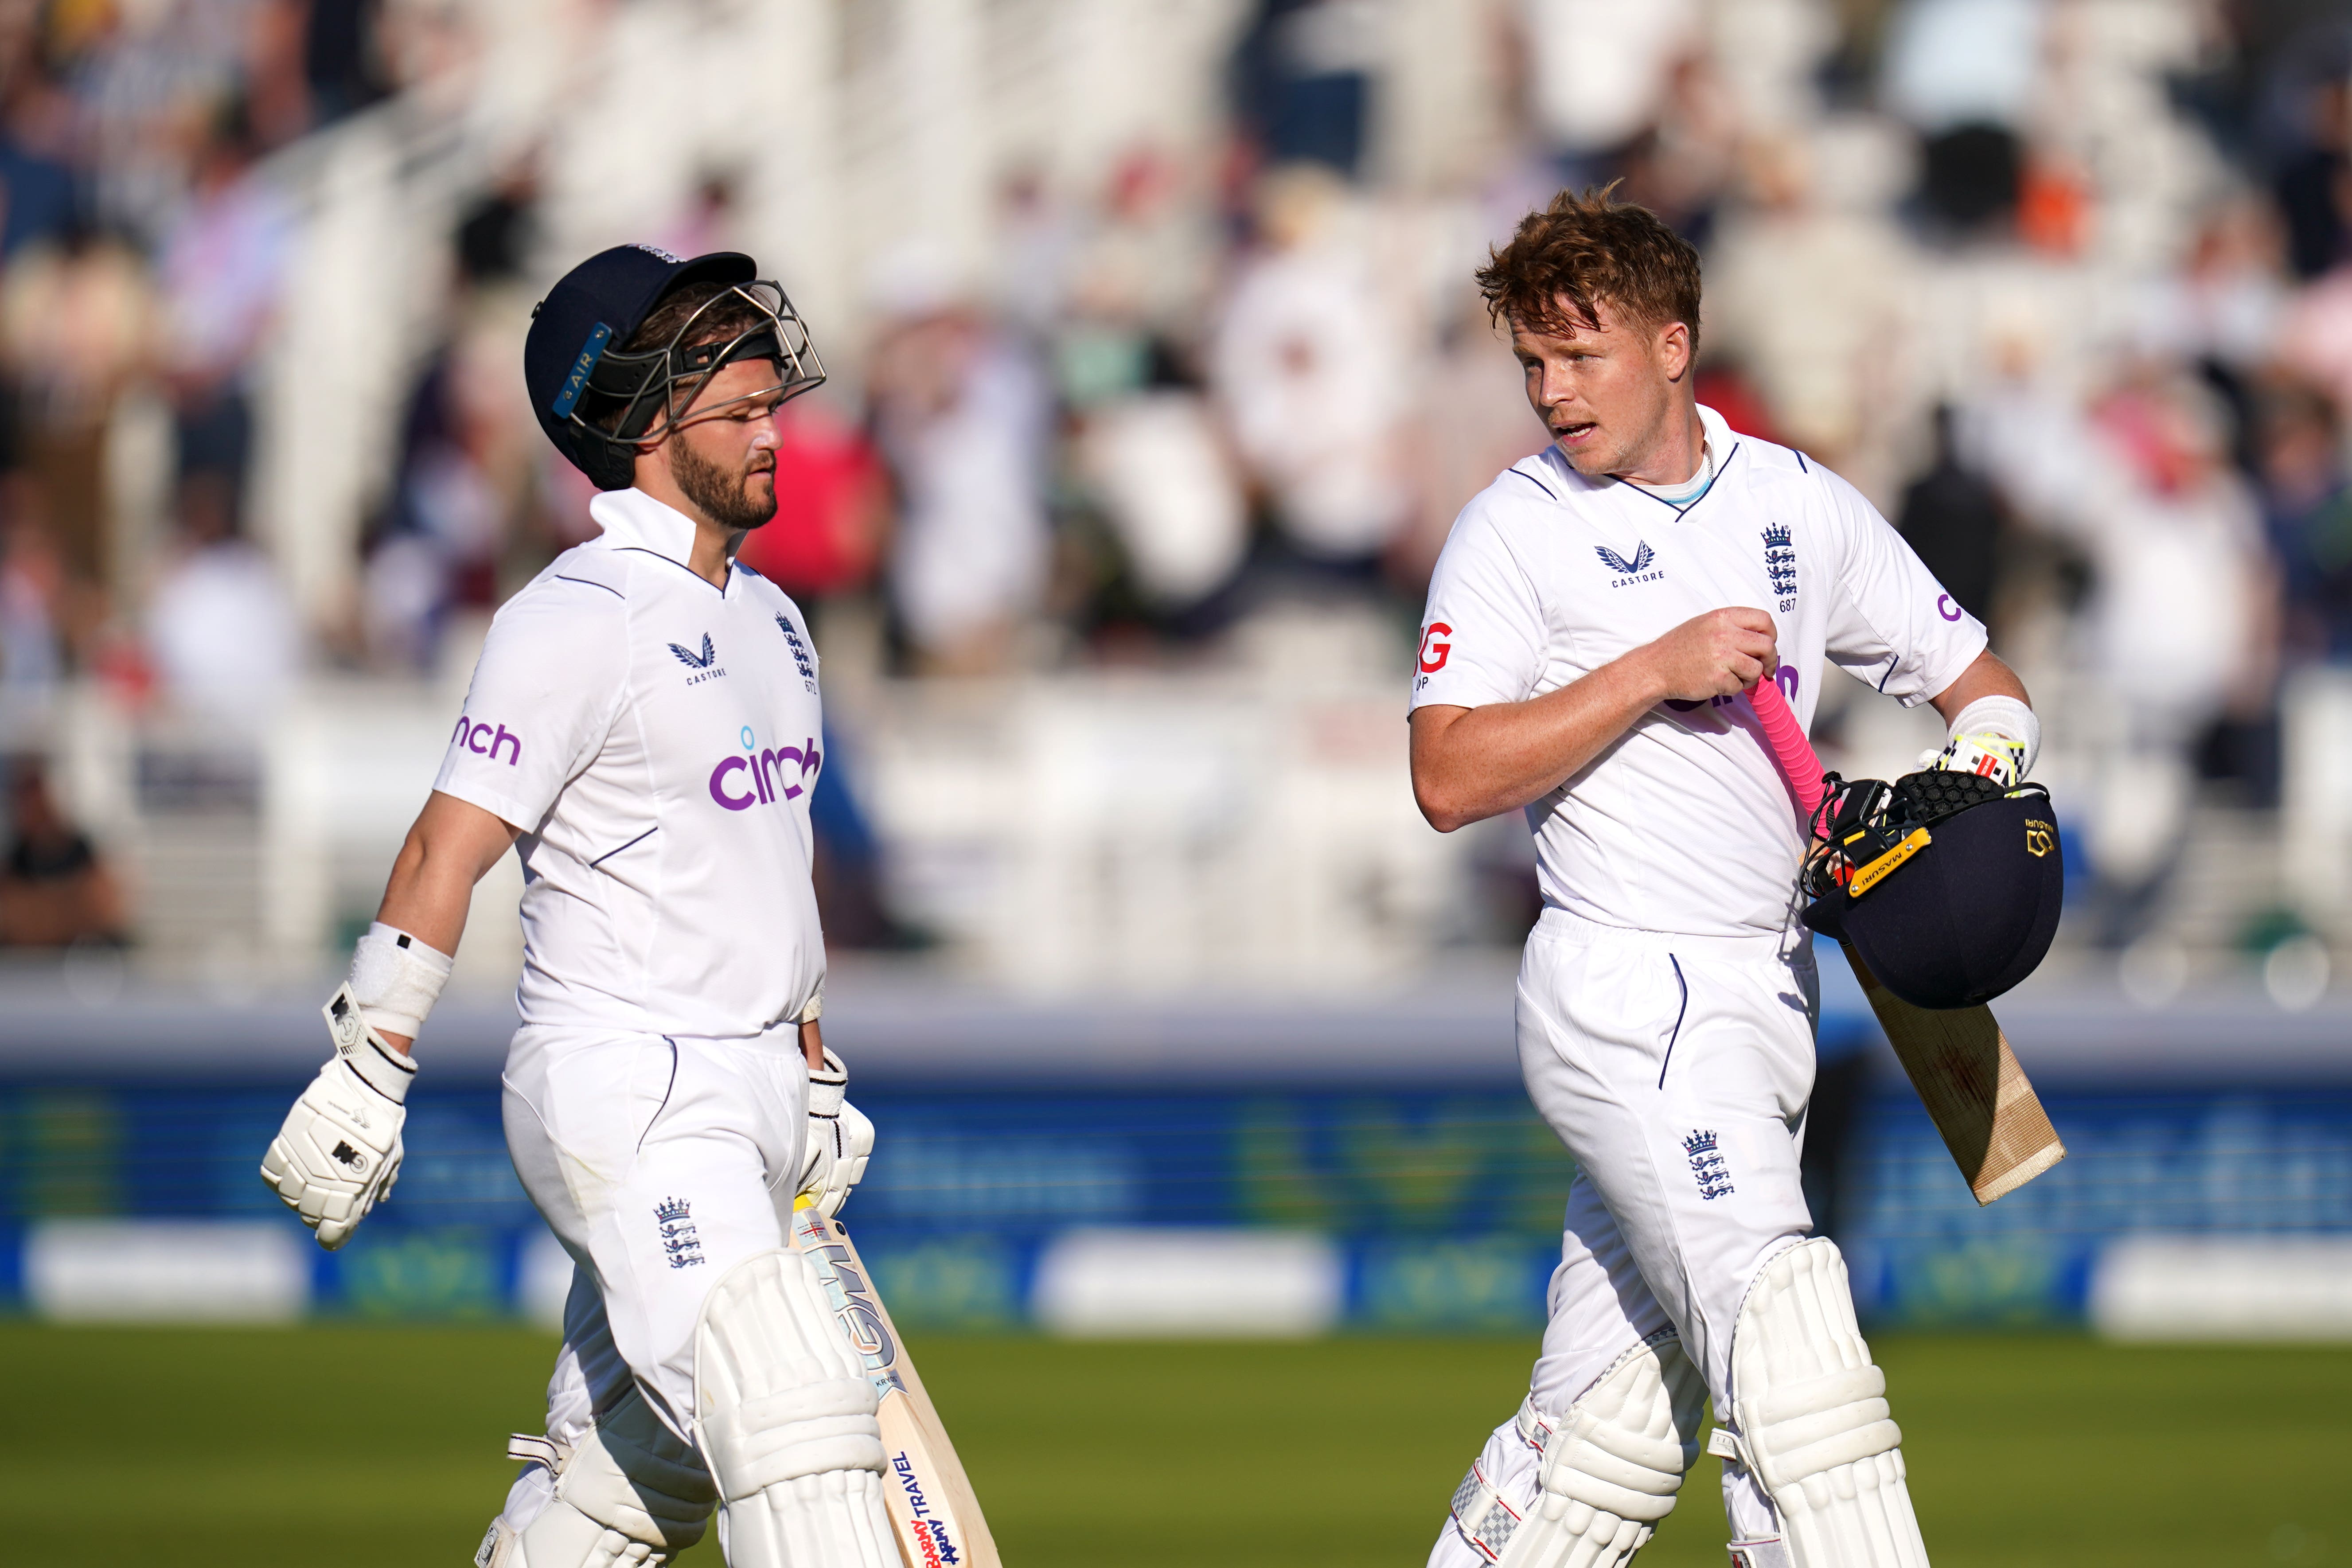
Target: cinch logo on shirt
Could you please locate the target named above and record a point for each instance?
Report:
(1787, 680)
(471, 735)
(1629, 573)
(757, 778)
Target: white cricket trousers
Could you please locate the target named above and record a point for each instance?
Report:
(1676, 1070)
(660, 1162)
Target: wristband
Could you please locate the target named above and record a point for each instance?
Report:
(364, 1051)
(2002, 715)
(395, 980)
(827, 1087)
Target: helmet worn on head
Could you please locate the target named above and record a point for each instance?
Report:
(597, 391)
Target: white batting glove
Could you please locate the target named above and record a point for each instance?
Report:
(339, 1152)
(840, 1139)
(1984, 752)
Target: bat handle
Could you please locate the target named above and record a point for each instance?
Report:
(1790, 751)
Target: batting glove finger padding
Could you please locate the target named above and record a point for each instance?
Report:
(786, 1417)
(1610, 1470)
(339, 1151)
(1811, 1418)
(840, 1140)
(2004, 721)
(1982, 752)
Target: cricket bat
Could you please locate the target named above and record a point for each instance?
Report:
(1976, 1093)
(933, 1512)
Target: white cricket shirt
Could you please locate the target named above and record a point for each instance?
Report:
(1684, 825)
(656, 741)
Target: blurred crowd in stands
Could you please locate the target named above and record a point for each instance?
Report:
(2066, 285)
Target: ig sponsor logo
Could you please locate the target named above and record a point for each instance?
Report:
(761, 776)
(480, 740)
(1435, 653)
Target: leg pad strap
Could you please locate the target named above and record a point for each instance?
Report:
(630, 1492)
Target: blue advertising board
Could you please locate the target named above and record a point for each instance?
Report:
(1446, 1205)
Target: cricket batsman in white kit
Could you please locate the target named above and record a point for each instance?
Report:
(642, 728)
(1594, 621)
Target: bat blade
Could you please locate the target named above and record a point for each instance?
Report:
(1959, 1061)
(1976, 1093)
(934, 1510)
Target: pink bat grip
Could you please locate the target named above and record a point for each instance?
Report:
(1790, 749)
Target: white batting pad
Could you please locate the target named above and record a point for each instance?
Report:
(1608, 1471)
(786, 1417)
(632, 1492)
(1810, 1416)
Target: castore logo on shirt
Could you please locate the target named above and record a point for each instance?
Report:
(1629, 573)
(704, 665)
(764, 785)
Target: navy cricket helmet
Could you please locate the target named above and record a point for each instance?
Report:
(595, 393)
(1946, 885)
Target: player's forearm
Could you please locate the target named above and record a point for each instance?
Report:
(1988, 676)
(431, 888)
(430, 891)
(1472, 764)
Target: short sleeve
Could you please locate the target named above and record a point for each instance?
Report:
(1891, 623)
(551, 677)
(1482, 638)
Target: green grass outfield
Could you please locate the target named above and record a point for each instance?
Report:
(363, 1446)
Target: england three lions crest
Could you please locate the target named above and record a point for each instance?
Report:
(1781, 564)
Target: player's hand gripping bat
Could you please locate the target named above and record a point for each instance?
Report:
(1959, 1061)
(933, 1511)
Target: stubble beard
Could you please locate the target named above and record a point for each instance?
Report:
(1629, 452)
(734, 501)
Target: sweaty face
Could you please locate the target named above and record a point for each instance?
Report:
(1605, 392)
(723, 451)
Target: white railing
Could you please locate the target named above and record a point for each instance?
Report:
(1072, 833)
